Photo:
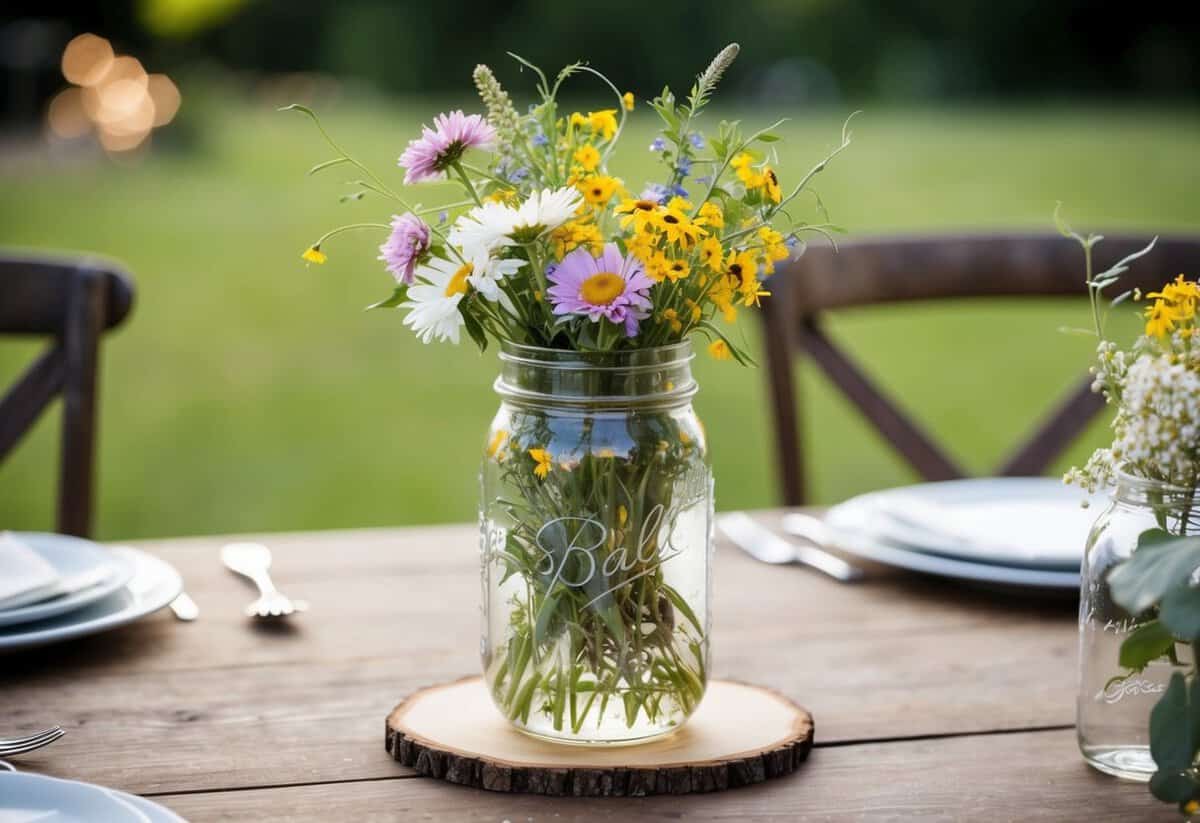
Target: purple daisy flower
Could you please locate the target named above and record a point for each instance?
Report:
(428, 157)
(405, 247)
(609, 286)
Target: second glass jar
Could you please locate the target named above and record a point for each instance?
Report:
(1113, 704)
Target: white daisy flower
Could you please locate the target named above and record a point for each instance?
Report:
(488, 271)
(547, 210)
(495, 225)
(433, 300)
(487, 227)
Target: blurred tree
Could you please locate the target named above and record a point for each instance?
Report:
(798, 48)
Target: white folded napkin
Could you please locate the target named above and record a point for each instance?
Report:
(25, 576)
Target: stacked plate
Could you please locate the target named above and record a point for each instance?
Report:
(54, 587)
(1028, 532)
(25, 798)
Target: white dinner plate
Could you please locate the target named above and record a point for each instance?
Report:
(154, 584)
(70, 556)
(35, 798)
(872, 548)
(1026, 522)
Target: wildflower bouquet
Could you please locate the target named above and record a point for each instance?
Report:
(597, 499)
(1155, 386)
(1138, 576)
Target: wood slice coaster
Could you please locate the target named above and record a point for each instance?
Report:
(741, 734)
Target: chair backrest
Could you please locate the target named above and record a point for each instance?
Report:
(898, 269)
(72, 301)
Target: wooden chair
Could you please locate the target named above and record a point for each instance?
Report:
(73, 301)
(899, 269)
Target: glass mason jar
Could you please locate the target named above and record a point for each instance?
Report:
(1113, 705)
(596, 540)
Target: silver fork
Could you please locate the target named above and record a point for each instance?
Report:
(252, 560)
(21, 745)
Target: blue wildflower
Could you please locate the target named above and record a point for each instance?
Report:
(696, 139)
(685, 165)
(679, 191)
(443, 216)
(517, 175)
(658, 145)
(704, 180)
(656, 192)
(540, 139)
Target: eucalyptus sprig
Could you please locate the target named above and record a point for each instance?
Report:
(1156, 584)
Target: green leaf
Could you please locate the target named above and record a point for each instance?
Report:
(738, 355)
(1180, 611)
(1194, 695)
(681, 604)
(473, 327)
(768, 137)
(1173, 786)
(1171, 723)
(399, 295)
(544, 615)
(1147, 642)
(327, 164)
(1151, 536)
(299, 108)
(1159, 564)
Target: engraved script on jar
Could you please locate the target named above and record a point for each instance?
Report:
(1115, 691)
(590, 535)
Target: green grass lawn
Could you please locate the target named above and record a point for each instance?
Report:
(249, 392)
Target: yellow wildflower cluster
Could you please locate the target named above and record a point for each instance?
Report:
(737, 283)
(677, 242)
(543, 461)
(762, 179)
(602, 123)
(1174, 308)
(580, 232)
(495, 446)
(597, 189)
(506, 196)
(663, 237)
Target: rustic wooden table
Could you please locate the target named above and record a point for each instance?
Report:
(930, 701)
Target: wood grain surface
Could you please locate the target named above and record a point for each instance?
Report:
(932, 700)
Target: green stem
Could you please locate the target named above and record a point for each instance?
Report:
(466, 181)
(348, 227)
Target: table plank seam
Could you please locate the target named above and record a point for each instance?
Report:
(865, 741)
(411, 775)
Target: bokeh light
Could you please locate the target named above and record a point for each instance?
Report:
(86, 59)
(66, 115)
(112, 96)
(166, 97)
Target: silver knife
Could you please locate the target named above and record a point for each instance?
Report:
(763, 544)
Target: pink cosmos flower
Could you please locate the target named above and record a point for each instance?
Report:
(405, 247)
(428, 157)
(608, 286)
